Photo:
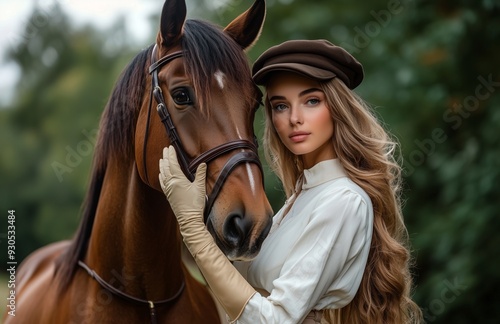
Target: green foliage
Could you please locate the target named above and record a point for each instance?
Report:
(431, 74)
(48, 133)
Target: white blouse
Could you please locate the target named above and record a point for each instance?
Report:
(313, 258)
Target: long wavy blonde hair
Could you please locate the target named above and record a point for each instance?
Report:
(367, 154)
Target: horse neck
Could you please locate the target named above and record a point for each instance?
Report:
(135, 240)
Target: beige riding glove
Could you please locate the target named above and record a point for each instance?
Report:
(187, 200)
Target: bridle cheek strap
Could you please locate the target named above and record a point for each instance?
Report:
(162, 110)
(172, 133)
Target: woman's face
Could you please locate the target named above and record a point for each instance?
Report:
(301, 117)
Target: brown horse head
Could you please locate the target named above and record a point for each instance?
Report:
(202, 86)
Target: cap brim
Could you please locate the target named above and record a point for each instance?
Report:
(262, 76)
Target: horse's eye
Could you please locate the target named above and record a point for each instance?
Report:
(181, 97)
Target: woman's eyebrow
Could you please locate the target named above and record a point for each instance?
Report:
(307, 91)
(277, 98)
(301, 94)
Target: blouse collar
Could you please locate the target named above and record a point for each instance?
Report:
(322, 172)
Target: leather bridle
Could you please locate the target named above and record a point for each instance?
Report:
(187, 164)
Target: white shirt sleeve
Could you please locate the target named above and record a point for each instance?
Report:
(325, 266)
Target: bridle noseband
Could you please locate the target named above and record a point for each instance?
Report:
(187, 164)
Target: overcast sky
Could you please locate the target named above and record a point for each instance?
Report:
(102, 13)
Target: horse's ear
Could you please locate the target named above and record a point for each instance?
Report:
(172, 20)
(246, 28)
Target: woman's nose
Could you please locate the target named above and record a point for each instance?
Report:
(295, 116)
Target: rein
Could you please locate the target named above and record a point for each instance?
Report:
(152, 304)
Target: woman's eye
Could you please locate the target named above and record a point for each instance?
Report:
(279, 107)
(313, 102)
(181, 97)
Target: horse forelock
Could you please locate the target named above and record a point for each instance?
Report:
(208, 52)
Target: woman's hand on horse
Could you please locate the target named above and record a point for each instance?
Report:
(186, 198)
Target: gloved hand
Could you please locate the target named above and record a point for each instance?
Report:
(187, 200)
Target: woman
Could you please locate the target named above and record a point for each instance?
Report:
(337, 248)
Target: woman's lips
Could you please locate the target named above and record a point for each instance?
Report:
(298, 137)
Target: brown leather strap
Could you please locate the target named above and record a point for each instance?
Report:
(174, 139)
(164, 60)
(165, 117)
(163, 111)
(235, 160)
(152, 305)
(215, 152)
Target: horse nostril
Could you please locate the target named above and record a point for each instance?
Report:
(236, 229)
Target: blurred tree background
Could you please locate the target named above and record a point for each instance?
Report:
(431, 73)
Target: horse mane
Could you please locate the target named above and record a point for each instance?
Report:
(206, 50)
(115, 135)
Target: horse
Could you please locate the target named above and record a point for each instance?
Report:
(124, 263)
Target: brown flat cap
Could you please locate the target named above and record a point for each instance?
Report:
(318, 59)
